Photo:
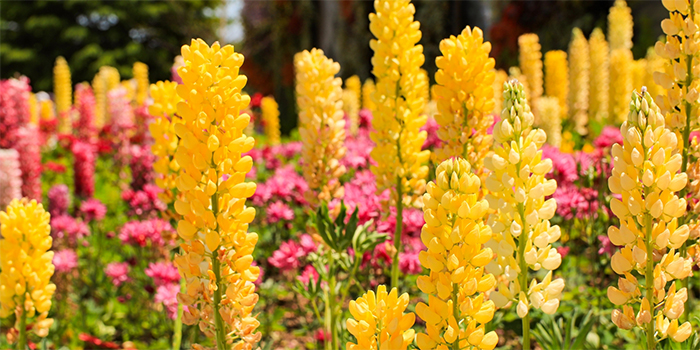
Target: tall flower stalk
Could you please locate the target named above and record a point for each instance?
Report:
(63, 90)
(599, 76)
(379, 321)
(579, 68)
(271, 116)
(464, 94)
(556, 79)
(26, 268)
(454, 232)
(522, 234)
(216, 262)
(531, 64)
(620, 25)
(140, 70)
(321, 124)
(165, 141)
(400, 163)
(646, 176)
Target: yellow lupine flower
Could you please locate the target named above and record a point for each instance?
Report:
(368, 88)
(141, 76)
(271, 116)
(164, 109)
(33, 109)
(680, 100)
(645, 174)
(500, 78)
(599, 76)
(424, 85)
(129, 88)
(454, 232)
(46, 109)
(99, 87)
(379, 321)
(620, 84)
(522, 235)
(531, 64)
(620, 25)
(579, 68)
(63, 92)
(654, 63)
(353, 83)
(549, 119)
(638, 73)
(556, 79)
(397, 119)
(111, 76)
(464, 94)
(351, 107)
(216, 263)
(321, 124)
(26, 265)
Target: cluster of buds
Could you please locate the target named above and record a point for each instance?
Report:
(599, 76)
(621, 83)
(556, 79)
(531, 64)
(522, 234)
(464, 94)
(140, 70)
(400, 162)
(216, 262)
(379, 321)
(579, 67)
(63, 90)
(165, 141)
(26, 267)
(620, 25)
(454, 232)
(646, 176)
(271, 116)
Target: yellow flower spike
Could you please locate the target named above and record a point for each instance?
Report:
(351, 107)
(549, 115)
(599, 76)
(620, 25)
(579, 68)
(379, 321)
(522, 234)
(164, 111)
(464, 94)
(140, 71)
(214, 225)
(368, 88)
(321, 124)
(455, 259)
(649, 155)
(271, 116)
(26, 266)
(400, 162)
(556, 79)
(63, 92)
(531, 64)
(500, 78)
(620, 84)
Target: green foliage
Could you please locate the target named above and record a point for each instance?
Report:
(569, 332)
(90, 34)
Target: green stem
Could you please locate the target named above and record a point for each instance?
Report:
(522, 277)
(216, 267)
(177, 332)
(684, 166)
(455, 312)
(22, 343)
(649, 279)
(397, 233)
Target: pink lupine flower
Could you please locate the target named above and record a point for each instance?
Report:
(413, 221)
(93, 209)
(285, 185)
(409, 263)
(59, 200)
(14, 109)
(65, 260)
(10, 177)
(365, 118)
(68, 228)
(608, 137)
(564, 168)
(28, 144)
(163, 273)
(358, 149)
(84, 168)
(279, 211)
(307, 244)
(606, 247)
(167, 294)
(85, 105)
(141, 161)
(144, 201)
(147, 232)
(431, 127)
(120, 111)
(360, 192)
(288, 256)
(308, 274)
(117, 272)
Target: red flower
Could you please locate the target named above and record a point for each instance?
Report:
(255, 100)
(92, 340)
(55, 167)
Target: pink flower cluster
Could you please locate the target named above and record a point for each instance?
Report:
(431, 127)
(360, 192)
(10, 177)
(28, 144)
(144, 201)
(120, 111)
(308, 274)
(163, 273)
(279, 211)
(285, 185)
(275, 156)
(68, 228)
(84, 168)
(167, 294)
(141, 162)
(608, 137)
(118, 273)
(85, 105)
(65, 260)
(564, 168)
(14, 109)
(358, 148)
(147, 232)
(59, 200)
(289, 255)
(93, 209)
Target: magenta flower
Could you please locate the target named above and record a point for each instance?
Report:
(285, 185)
(431, 127)
(167, 294)
(85, 105)
(606, 247)
(10, 177)
(148, 232)
(365, 118)
(93, 209)
(563, 251)
(28, 144)
(67, 227)
(357, 151)
(84, 168)
(141, 163)
(279, 211)
(163, 273)
(14, 109)
(360, 192)
(307, 244)
(409, 263)
(144, 201)
(65, 260)
(59, 200)
(608, 137)
(564, 166)
(117, 272)
(308, 274)
(288, 256)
